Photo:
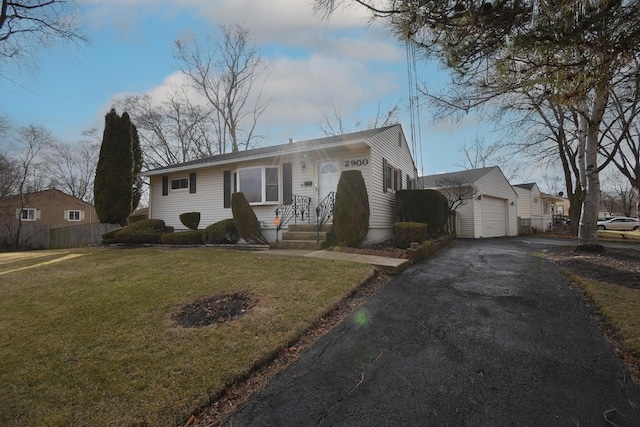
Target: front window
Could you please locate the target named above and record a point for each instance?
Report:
(259, 185)
(73, 216)
(28, 214)
(178, 184)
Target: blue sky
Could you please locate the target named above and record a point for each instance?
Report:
(346, 64)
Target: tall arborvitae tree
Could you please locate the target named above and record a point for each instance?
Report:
(137, 166)
(116, 183)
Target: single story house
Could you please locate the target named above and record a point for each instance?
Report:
(303, 173)
(489, 211)
(51, 207)
(33, 215)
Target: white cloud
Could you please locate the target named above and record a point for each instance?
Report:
(315, 65)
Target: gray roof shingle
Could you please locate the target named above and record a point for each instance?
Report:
(466, 176)
(276, 149)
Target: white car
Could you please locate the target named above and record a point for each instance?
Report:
(619, 223)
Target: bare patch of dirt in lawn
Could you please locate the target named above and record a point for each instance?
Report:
(214, 310)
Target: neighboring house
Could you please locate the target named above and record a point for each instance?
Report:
(536, 209)
(556, 207)
(33, 215)
(51, 207)
(491, 212)
(530, 209)
(305, 173)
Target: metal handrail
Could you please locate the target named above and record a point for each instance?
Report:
(295, 207)
(324, 212)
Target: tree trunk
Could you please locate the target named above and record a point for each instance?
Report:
(589, 175)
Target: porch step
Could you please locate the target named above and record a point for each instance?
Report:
(303, 236)
(310, 245)
(309, 228)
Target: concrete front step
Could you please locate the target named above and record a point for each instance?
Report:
(299, 244)
(308, 228)
(303, 235)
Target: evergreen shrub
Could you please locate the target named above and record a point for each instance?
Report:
(191, 237)
(404, 233)
(191, 220)
(222, 233)
(245, 219)
(140, 232)
(427, 206)
(351, 209)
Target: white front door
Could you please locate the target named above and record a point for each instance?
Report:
(328, 176)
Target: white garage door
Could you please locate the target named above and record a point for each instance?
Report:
(494, 213)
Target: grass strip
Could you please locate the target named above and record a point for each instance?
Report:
(620, 305)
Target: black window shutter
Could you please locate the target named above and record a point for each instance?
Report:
(399, 179)
(192, 182)
(384, 175)
(287, 182)
(165, 185)
(227, 189)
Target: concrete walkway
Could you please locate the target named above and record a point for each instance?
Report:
(483, 333)
(379, 261)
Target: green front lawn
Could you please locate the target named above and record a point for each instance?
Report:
(91, 340)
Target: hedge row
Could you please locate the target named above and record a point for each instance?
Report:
(154, 231)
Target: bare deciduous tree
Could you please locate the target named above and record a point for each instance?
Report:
(30, 143)
(618, 197)
(28, 25)
(8, 176)
(228, 75)
(621, 135)
(457, 191)
(71, 168)
(498, 49)
(333, 123)
(171, 131)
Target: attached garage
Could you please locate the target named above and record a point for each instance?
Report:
(491, 212)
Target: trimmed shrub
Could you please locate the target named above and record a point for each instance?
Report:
(222, 233)
(191, 220)
(138, 237)
(140, 232)
(191, 237)
(246, 220)
(351, 209)
(109, 237)
(426, 206)
(149, 224)
(404, 233)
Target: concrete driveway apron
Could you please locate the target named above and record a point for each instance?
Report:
(484, 333)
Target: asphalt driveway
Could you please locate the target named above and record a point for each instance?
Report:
(484, 333)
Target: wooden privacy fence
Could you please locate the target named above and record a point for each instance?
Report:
(32, 236)
(78, 236)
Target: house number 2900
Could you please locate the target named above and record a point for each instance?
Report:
(355, 163)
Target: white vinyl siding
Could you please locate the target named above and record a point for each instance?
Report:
(387, 146)
(363, 154)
